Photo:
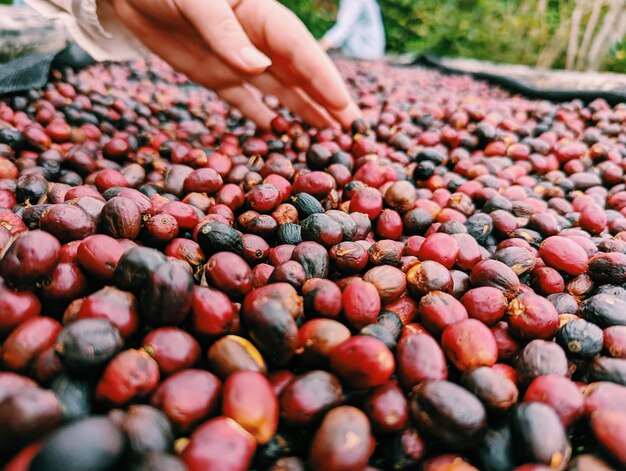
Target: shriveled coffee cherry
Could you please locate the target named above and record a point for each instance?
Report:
(349, 257)
(495, 274)
(187, 250)
(427, 276)
(284, 293)
(608, 267)
(389, 281)
(217, 236)
(161, 228)
(385, 252)
(290, 272)
(580, 339)
(121, 218)
(530, 317)
(313, 257)
(401, 196)
(322, 229)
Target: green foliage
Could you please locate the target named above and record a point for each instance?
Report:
(617, 59)
(498, 30)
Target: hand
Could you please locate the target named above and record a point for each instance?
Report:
(241, 47)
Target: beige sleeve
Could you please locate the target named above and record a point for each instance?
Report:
(95, 27)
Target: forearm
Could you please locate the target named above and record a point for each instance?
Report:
(94, 26)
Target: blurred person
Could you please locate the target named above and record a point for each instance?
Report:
(358, 32)
(239, 48)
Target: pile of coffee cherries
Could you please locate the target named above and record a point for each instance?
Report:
(441, 287)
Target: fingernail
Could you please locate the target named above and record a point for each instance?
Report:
(252, 57)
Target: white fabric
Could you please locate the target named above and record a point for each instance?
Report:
(95, 27)
(359, 30)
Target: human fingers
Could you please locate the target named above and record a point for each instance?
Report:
(295, 99)
(249, 102)
(216, 23)
(184, 51)
(297, 57)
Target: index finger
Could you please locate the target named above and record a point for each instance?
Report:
(295, 51)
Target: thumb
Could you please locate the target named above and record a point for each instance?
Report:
(216, 22)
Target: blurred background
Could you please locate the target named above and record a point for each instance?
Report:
(564, 34)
